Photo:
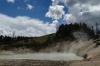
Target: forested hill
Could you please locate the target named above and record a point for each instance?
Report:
(64, 32)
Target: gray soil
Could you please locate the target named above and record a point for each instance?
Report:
(87, 47)
(29, 62)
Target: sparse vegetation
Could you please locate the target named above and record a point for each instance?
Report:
(64, 32)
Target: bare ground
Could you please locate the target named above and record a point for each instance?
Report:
(93, 58)
(29, 62)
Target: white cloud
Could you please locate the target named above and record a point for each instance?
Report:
(87, 11)
(55, 2)
(54, 23)
(25, 26)
(55, 12)
(29, 6)
(11, 1)
(70, 18)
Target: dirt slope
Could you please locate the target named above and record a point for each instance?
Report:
(89, 49)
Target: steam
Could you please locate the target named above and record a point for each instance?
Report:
(66, 51)
(72, 47)
(80, 36)
(43, 56)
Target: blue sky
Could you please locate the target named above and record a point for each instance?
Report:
(19, 7)
(41, 17)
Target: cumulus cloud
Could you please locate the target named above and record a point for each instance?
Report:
(55, 12)
(29, 6)
(70, 18)
(87, 11)
(11, 1)
(25, 26)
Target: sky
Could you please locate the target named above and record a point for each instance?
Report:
(41, 17)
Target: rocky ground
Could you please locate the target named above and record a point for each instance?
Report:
(29, 62)
(82, 48)
(21, 50)
(94, 61)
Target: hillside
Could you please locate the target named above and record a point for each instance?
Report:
(64, 33)
(78, 47)
(64, 40)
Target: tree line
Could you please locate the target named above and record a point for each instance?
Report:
(64, 32)
(6, 39)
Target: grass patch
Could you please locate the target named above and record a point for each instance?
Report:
(43, 39)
